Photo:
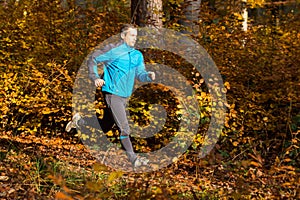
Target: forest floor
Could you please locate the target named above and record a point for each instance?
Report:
(34, 167)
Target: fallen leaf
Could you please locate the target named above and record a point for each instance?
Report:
(4, 178)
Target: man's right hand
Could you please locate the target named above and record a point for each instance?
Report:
(99, 82)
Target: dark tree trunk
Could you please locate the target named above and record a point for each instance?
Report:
(191, 16)
(147, 12)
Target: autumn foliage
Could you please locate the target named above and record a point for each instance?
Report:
(43, 44)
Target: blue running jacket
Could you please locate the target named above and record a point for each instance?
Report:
(122, 65)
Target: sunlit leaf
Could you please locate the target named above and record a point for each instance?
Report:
(114, 175)
(62, 196)
(98, 167)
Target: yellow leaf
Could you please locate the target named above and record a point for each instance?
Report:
(235, 143)
(227, 85)
(157, 190)
(203, 94)
(110, 133)
(277, 160)
(114, 175)
(48, 111)
(84, 136)
(174, 160)
(94, 186)
(98, 167)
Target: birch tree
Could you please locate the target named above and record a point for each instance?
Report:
(245, 16)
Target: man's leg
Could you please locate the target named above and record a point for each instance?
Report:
(117, 106)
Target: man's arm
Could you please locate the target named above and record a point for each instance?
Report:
(99, 56)
(142, 74)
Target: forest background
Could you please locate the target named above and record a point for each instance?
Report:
(43, 44)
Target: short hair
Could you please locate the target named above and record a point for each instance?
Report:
(126, 27)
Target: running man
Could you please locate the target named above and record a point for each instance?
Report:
(122, 64)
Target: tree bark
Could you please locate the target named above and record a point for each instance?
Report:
(64, 4)
(81, 3)
(147, 13)
(191, 16)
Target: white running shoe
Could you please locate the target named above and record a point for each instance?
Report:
(73, 123)
(140, 161)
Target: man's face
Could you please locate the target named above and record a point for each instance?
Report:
(129, 37)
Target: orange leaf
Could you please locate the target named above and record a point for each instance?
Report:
(256, 164)
(62, 196)
(57, 180)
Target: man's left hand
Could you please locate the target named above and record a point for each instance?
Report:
(151, 75)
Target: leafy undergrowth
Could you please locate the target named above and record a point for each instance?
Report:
(54, 168)
(257, 156)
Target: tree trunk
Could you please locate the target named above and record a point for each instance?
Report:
(191, 16)
(64, 4)
(245, 16)
(147, 13)
(81, 3)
